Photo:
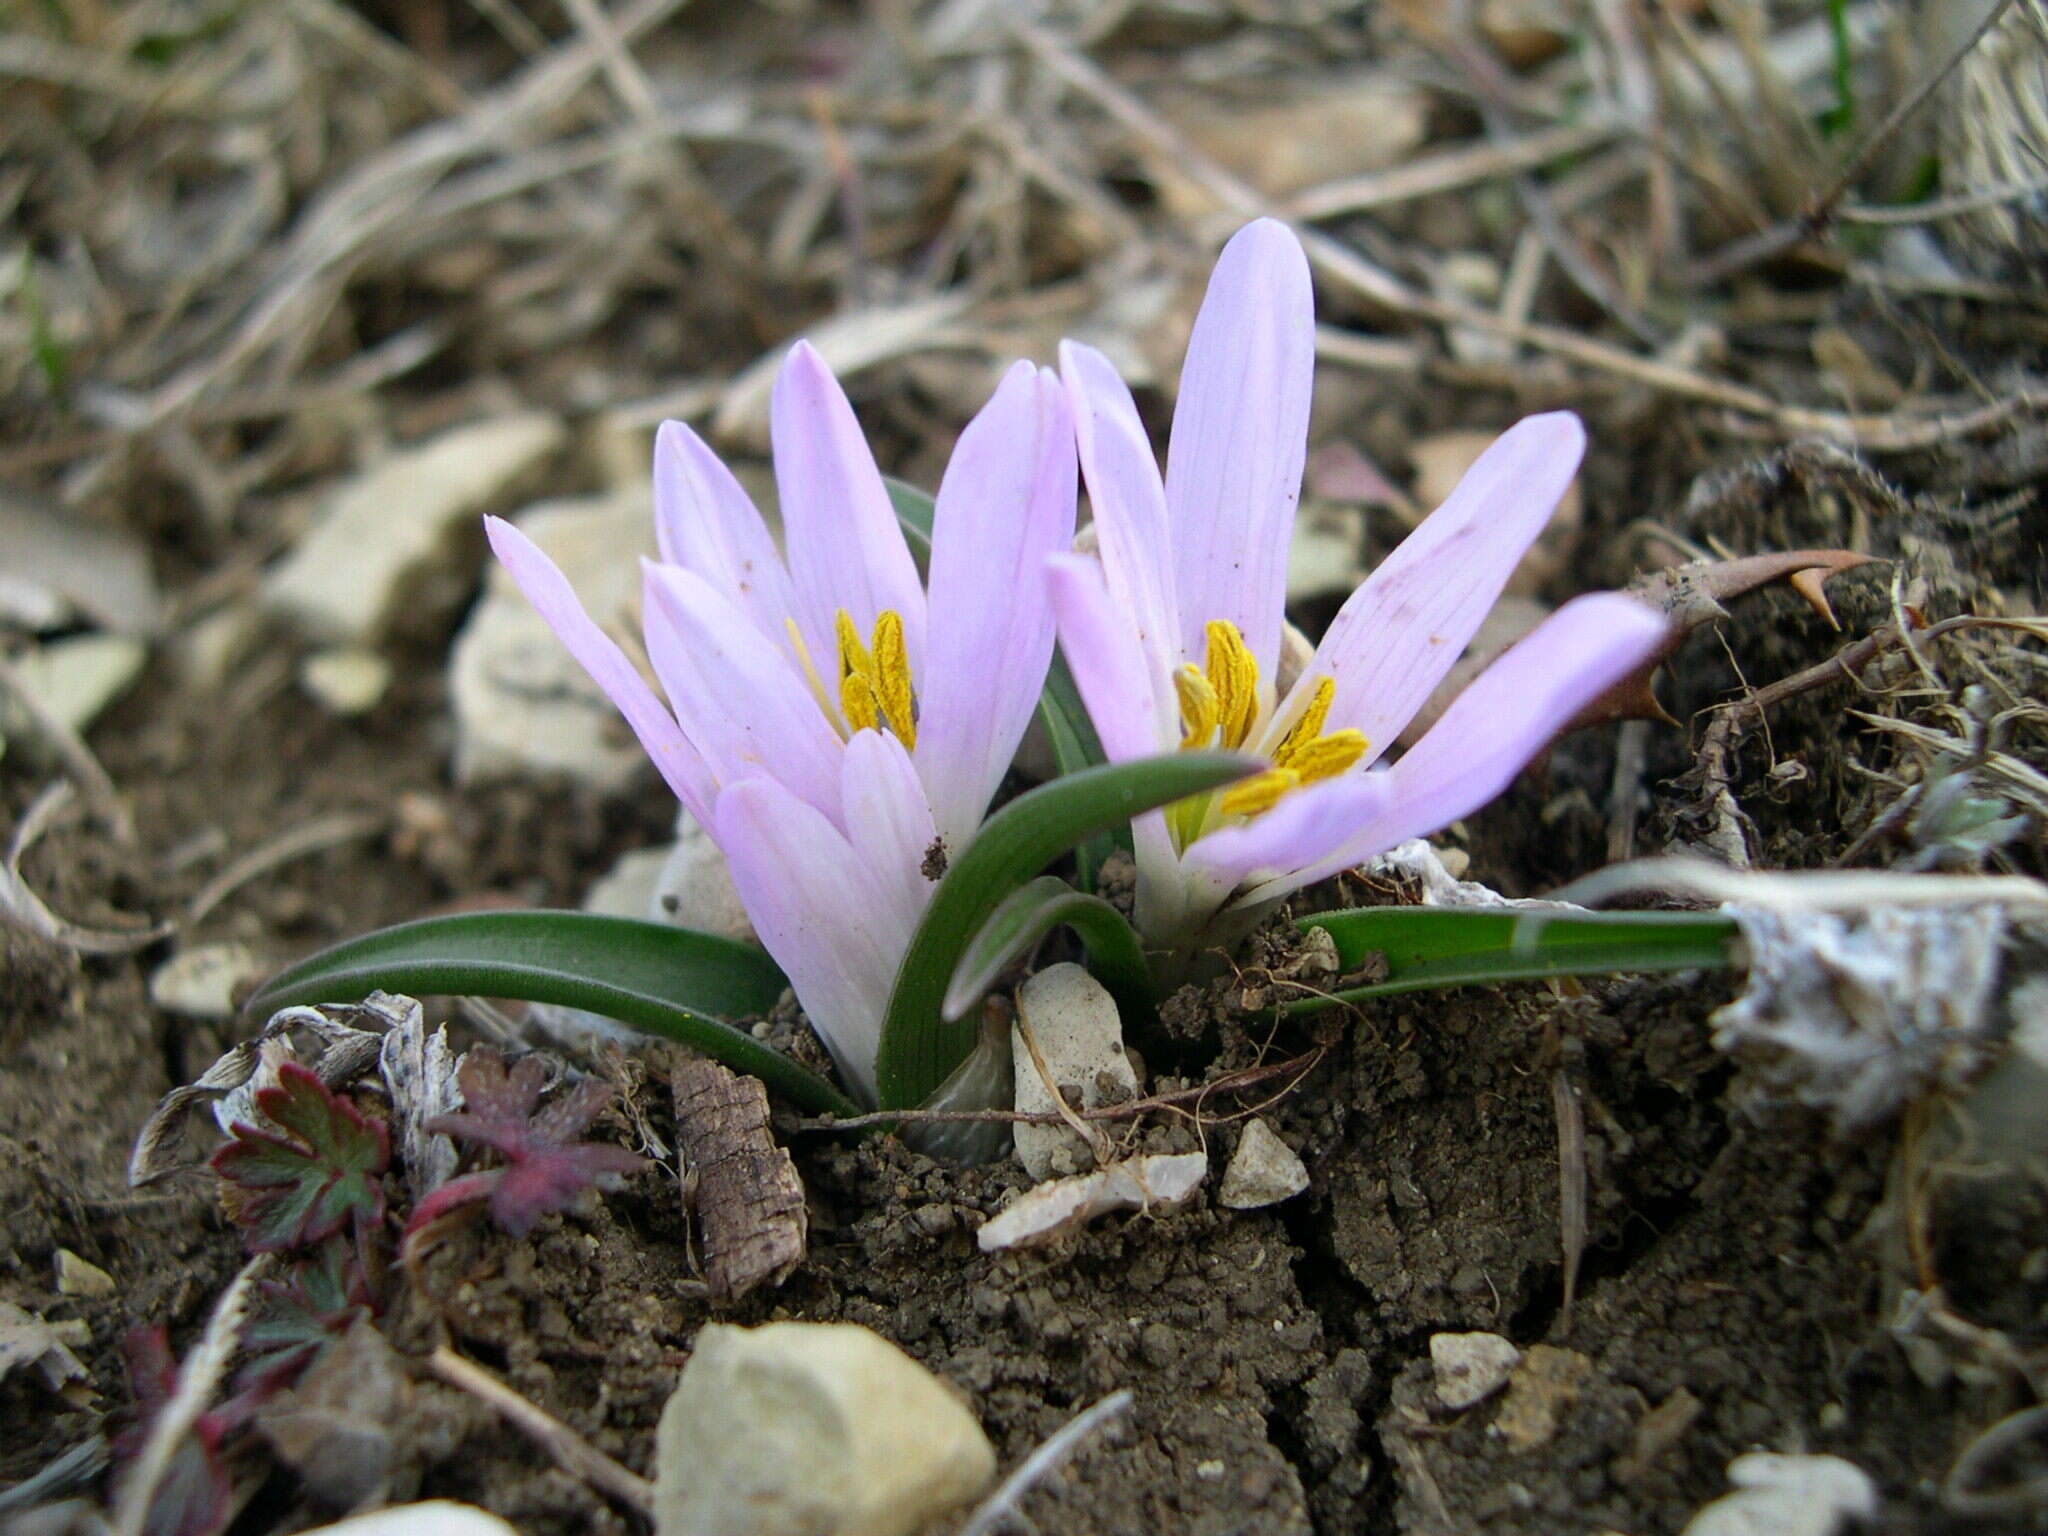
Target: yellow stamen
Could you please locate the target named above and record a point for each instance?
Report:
(1234, 674)
(1198, 711)
(803, 657)
(1259, 793)
(892, 678)
(1310, 725)
(874, 685)
(857, 703)
(1325, 757)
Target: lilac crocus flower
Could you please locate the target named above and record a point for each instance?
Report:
(1174, 633)
(833, 725)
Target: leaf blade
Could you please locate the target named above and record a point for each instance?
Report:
(1027, 915)
(918, 1048)
(667, 981)
(1428, 947)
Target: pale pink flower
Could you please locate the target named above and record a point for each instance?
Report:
(836, 724)
(1173, 633)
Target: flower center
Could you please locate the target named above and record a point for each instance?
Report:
(1219, 706)
(874, 679)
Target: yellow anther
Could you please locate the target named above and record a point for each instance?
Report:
(854, 659)
(1325, 757)
(857, 703)
(1197, 707)
(874, 685)
(892, 678)
(1310, 725)
(1234, 674)
(1261, 792)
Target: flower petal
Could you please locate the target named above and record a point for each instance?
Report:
(1398, 635)
(1005, 505)
(1117, 686)
(1240, 434)
(741, 701)
(815, 904)
(704, 520)
(599, 655)
(889, 823)
(1508, 714)
(845, 549)
(1128, 501)
(1303, 829)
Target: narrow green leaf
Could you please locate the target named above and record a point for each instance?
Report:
(1027, 915)
(918, 1046)
(666, 981)
(1071, 734)
(914, 512)
(1429, 947)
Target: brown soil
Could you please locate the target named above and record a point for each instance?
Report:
(1279, 1358)
(1743, 1284)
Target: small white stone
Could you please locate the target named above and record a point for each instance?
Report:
(348, 680)
(694, 888)
(523, 707)
(1787, 1495)
(79, 1277)
(435, 1517)
(1263, 1170)
(210, 648)
(811, 1429)
(200, 982)
(75, 678)
(1074, 1021)
(1470, 1367)
(392, 523)
(1047, 1212)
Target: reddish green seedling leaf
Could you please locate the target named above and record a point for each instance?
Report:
(292, 1190)
(303, 1313)
(546, 1167)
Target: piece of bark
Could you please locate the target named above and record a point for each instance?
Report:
(749, 1201)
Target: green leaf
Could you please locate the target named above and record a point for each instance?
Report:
(1075, 746)
(919, 1047)
(304, 1184)
(1061, 714)
(1428, 947)
(914, 512)
(664, 980)
(1027, 915)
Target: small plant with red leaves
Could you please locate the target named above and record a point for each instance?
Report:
(546, 1168)
(303, 1313)
(314, 1169)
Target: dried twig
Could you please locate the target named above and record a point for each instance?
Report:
(93, 780)
(572, 1453)
(1299, 1066)
(1000, 1508)
(311, 837)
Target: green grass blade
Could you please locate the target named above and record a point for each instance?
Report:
(1429, 947)
(914, 512)
(1027, 915)
(666, 981)
(918, 1046)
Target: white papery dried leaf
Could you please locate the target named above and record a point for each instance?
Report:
(1857, 1014)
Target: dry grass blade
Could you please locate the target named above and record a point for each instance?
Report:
(205, 1366)
(571, 1452)
(1001, 1507)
